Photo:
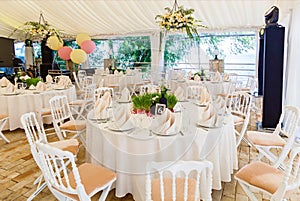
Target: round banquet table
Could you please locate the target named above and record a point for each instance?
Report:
(28, 101)
(111, 79)
(128, 153)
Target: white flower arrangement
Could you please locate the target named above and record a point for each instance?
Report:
(179, 19)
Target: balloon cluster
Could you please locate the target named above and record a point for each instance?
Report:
(78, 56)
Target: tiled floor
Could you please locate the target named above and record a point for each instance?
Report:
(18, 171)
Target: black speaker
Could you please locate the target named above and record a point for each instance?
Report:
(272, 75)
(7, 52)
(44, 70)
(47, 53)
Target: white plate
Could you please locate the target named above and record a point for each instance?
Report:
(200, 105)
(205, 126)
(112, 127)
(123, 101)
(11, 94)
(163, 134)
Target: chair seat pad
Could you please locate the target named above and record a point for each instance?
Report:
(45, 111)
(155, 187)
(3, 116)
(77, 102)
(261, 175)
(92, 177)
(237, 119)
(265, 139)
(71, 145)
(74, 125)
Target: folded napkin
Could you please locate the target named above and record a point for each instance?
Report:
(220, 104)
(99, 71)
(49, 79)
(116, 72)
(197, 78)
(226, 77)
(180, 75)
(64, 81)
(128, 71)
(32, 87)
(41, 86)
(190, 74)
(4, 82)
(107, 70)
(179, 93)
(100, 108)
(217, 77)
(25, 77)
(165, 124)
(209, 116)
(123, 118)
(204, 96)
(107, 97)
(125, 95)
(10, 88)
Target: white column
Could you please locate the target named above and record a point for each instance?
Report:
(157, 56)
(29, 56)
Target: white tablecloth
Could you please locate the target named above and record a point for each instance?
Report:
(28, 101)
(111, 79)
(128, 153)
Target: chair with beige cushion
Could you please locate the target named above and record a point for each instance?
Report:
(35, 133)
(264, 142)
(270, 180)
(3, 120)
(63, 120)
(240, 105)
(183, 180)
(81, 183)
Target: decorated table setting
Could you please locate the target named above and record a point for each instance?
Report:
(124, 136)
(30, 95)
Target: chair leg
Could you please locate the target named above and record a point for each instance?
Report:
(248, 192)
(3, 121)
(4, 138)
(105, 192)
(38, 190)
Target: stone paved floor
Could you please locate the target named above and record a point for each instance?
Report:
(18, 171)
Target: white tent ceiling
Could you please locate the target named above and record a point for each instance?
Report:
(102, 18)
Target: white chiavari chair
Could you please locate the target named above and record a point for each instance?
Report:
(3, 120)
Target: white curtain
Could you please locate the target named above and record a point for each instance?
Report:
(293, 61)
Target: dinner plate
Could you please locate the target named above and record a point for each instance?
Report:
(11, 94)
(205, 126)
(123, 101)
(163, 134)
(200, 105)
(112, 127)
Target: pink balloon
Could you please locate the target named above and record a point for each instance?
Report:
(88, 46)
(65, 52)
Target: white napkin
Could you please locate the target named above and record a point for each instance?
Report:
(100, 109)
(32, 87)
(107, 70)
(49, 79)
(197, 78)
(125, 95)
(10, 88)
(190, 74)
(128, 71)
(220, 104)
(116, 72)
(165, 124)
(180, 75)
(179, 93)
(41, 86)
(226, 77)
(25, 77)
(217, 77)
(4, 82)
(209, 116)
(64, 81)
(123, 118)
(204, 96)
(107, 97)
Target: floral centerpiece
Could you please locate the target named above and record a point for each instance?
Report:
(180, 19)
(36, 30)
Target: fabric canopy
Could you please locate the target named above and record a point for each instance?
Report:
(102, 18)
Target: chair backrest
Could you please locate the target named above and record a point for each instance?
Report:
(194, 92)
(287, 127)
(54, 166)
(183, 180)
(77, 81)
(34, 133)
(60, 111)
(99, 92)
(240, 104)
